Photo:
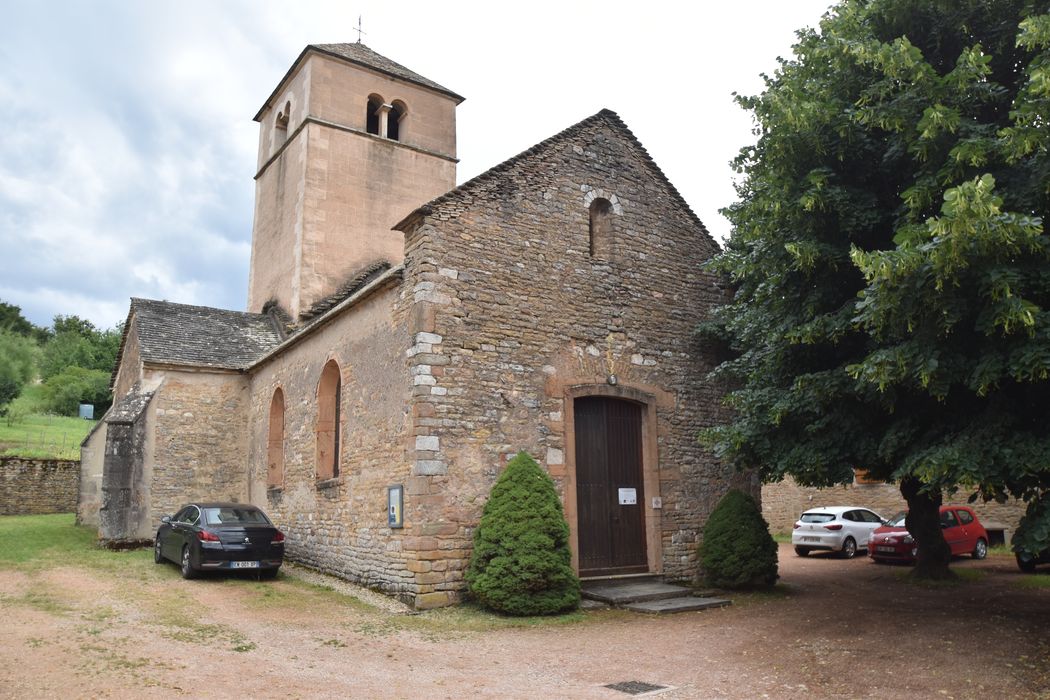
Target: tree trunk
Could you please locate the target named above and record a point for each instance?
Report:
(924, 524)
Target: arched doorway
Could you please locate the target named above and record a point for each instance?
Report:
(610, 498)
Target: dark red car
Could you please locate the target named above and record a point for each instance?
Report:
(962, 531)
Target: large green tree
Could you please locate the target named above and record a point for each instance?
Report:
(888, 258)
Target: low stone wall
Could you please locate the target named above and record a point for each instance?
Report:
(38, 486)
(783, 502)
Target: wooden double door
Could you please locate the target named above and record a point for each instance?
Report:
(610, 499)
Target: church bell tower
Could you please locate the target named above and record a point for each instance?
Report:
(349, 144)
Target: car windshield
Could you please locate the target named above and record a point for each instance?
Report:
(232, 515)
(898, 519)
(817, 517)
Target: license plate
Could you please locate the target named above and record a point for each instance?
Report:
(244, 565)
(811, 539)
(885, 549)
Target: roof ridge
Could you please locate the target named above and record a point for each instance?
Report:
(605, 114)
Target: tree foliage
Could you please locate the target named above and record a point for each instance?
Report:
(64, 392)
(521, 564)
(737, 550)
(17, 366)
(78, 343)
(12, 320)
(889, 258)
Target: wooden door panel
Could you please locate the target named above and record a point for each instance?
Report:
(609, 457)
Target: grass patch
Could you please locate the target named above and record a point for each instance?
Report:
(1034, 581)
(42, 436)
(782, 537)
(34, 542)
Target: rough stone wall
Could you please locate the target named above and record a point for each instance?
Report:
(199, 446)
(340, 525)
(784, 501)
(130, 370)
(92, 454)
(38, 486)
(513, 315)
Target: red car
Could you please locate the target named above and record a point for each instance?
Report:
(962, 531)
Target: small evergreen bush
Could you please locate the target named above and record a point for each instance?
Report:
(737, 550)
(521, 563)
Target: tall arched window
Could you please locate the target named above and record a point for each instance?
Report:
(601, 227)
(275, 442)
(328, 400)
(374, 109)
(394, 119)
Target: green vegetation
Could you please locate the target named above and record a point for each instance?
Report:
(521, 564)
(737, 550)
(18, 356)
(891, 304)
(44, 437)
(74, 360)
(1036, 580)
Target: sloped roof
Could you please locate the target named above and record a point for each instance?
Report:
(361, 55)
(201, 336)
(495, 175)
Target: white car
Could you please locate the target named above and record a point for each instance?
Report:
(843, 529)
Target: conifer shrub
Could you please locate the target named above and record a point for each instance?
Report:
(737, 550)
(521, 563)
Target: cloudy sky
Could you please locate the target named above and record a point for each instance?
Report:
(127, 147)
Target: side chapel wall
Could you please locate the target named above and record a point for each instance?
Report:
(198, 446)
(339, 525)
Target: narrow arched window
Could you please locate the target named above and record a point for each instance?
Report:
(601, 212)
(394, 119)
(372, 116)
(275, 442)
(280, 126)
(328, 400)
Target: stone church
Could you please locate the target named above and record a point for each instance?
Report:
(404, 337)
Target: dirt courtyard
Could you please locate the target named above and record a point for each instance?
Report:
(834, 629)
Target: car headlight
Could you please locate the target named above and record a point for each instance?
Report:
(908, 539)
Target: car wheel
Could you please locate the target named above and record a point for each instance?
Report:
(157, 556)
(1026, 565)
(849, 548)
(980, 550)
(802, 551)
(186, 567)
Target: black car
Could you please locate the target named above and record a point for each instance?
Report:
(220, 537)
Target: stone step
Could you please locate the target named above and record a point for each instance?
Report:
(666, 606)
(623, 591)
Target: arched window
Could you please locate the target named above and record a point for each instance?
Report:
(394, 119)
(275, 442)
(328, 400)
(280, 125)
(601, 211)
(372, 116)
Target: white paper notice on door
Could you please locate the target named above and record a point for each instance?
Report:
(628, 497)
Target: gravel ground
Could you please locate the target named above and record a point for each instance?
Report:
(834, 629)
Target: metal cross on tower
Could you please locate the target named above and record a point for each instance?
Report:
(358, 29)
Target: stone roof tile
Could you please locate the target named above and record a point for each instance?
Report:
(201, 336)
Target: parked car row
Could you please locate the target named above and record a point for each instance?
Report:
(847, 529)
